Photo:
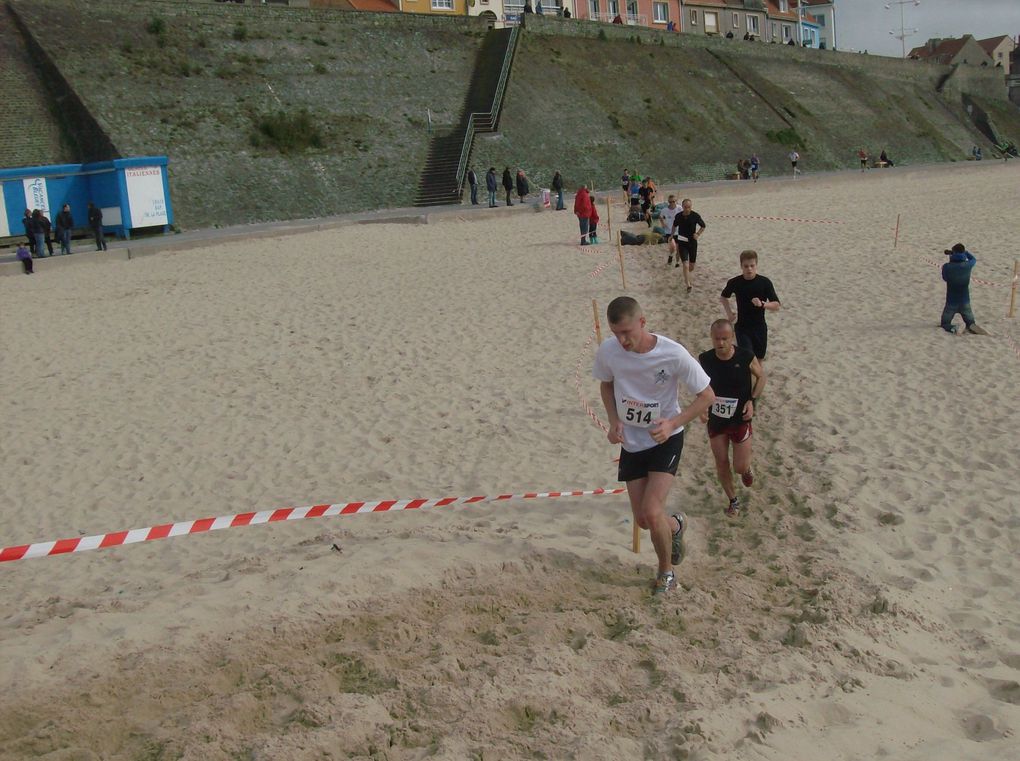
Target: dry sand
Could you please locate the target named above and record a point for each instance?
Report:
(865, 607)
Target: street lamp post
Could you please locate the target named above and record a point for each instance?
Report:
(904, 32)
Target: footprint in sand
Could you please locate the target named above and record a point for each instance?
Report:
(980, 728)
(1008, 691)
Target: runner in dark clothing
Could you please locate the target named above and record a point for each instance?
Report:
(687, 228)
(737, 379)
(755, 295)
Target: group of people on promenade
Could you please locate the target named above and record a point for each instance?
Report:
(38, 232)
(509, 183)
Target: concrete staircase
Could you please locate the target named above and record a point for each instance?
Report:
(450, 151)
(29, 134)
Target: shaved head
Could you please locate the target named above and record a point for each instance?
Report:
(621, 309)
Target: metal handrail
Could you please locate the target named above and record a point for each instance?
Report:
(492, 113)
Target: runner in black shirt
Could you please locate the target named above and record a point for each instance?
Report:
(647, 194)
(755, 295)
(737, 379)
(687, 228)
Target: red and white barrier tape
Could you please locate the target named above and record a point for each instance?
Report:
(577, 384)
(976, 280)
(598, 270)
(779, 219)
(167, 530)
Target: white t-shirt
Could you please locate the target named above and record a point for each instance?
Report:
(668, 215)
(646, 385)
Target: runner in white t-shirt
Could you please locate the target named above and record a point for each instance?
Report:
(640, 374)
(669, 211)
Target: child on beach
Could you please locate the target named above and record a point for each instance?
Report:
(25, 257)
(593, 221)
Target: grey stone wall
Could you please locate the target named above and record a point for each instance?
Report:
(193, 80)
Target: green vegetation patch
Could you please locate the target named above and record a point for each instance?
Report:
(787, 137)
(287, 133)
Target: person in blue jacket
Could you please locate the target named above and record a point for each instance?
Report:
(956, 273)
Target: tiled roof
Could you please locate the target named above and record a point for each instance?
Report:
(946, 48)
(772, 6)
(993, 42)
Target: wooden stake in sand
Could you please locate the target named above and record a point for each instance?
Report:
(635, 542)
(619, 251)
(598, 324)
(896, 236)
(609, 217)
(1012, 290)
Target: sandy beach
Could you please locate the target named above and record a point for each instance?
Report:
(866, 606)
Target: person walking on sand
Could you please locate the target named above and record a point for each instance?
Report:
(582, 210)
(29, 226)
(862, 156)
(737, 381)
(593, 220)
(625, 179)
(956, 273)
(508, 185)
(640, 373)
(523, 188)
(667, 215)
(687, 229)
(794, 158)
(472, 179)
(491, 185)
(65, 223)
(95, 217)
(557, 185)
(755, 166)
(755, 296)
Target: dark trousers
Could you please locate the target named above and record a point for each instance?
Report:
(509, 202)
(27, 265)
(31, 242)
(474, 194)
(100, 238)
(951, 310)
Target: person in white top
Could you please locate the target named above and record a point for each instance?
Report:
(667, 215)
(794, 158)
(640, 374)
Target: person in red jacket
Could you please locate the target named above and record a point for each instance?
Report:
(593, 221)
(582, 210)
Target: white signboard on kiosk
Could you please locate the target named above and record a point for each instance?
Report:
(5, 229)
(145, 196)
(36, 196)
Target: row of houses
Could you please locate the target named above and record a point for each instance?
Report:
(811, 23)
(995, 51)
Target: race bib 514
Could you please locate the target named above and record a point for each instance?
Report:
(638, 413)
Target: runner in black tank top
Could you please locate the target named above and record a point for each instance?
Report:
(737, 379)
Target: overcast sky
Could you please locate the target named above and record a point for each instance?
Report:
(865, 24)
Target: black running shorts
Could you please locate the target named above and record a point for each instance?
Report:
(662, 458)
(688, 250)
(754, 339)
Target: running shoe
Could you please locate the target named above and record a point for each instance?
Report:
(670, 260)
(664, 582)
(747, 478)
(734, 507)
(679, 546)
(976, 329)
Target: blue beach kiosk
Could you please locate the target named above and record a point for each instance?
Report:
(133, 193)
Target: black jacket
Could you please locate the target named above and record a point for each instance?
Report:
(95, 217)
(557, 182)
(522, 185)
(508, 180)
(65, 221)
(472, 177)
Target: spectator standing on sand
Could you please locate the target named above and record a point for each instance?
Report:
(755, 166)
(557, 185)
(582, 210)
(95, 216)
(794, 156)
(25, 257)
(593, 220)
(473, 183)
(508, 185)
(956, 273)
(522, 185)
(65, 223)
(27, 222)
(491, 185)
